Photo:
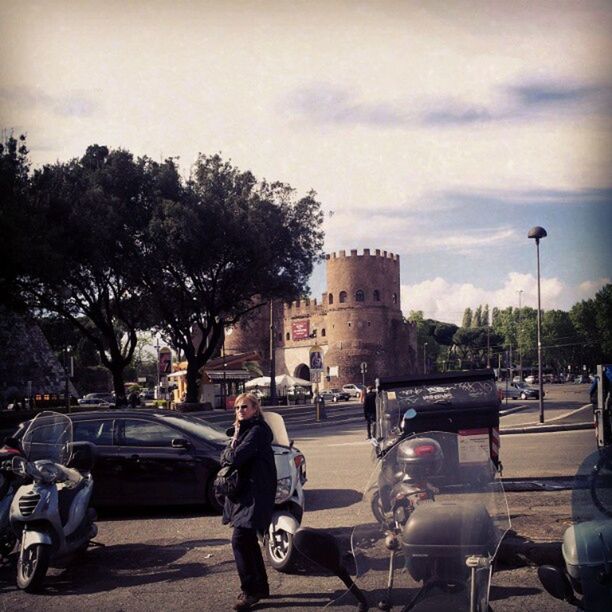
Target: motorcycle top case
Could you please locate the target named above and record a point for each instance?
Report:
(464, 402)
(583, 546)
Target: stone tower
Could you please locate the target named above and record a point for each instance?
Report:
(364, 318)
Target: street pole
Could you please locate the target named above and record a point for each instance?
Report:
(537, 233)
(540, 383)
(425, 358)
(157, 367)
(272, 358)
(518, 343)
(67, 388)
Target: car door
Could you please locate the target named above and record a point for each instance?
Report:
(154, 471)
(107, 469)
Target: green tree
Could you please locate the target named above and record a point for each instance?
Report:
(86, 225)
(229, 246)
(467, 318)
(14, 194)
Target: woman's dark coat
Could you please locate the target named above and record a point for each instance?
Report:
(254, 458)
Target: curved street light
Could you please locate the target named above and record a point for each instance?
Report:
(537, 233)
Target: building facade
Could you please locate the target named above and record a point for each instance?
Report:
(358, 321)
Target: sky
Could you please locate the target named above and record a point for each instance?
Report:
(441, 131)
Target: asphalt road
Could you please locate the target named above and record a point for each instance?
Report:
(181, 559)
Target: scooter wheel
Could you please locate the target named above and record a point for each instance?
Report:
(280, 552)
(32, 567)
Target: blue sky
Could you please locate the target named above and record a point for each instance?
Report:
(441, 131)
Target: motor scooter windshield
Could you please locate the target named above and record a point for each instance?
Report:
(433, 515)
(48, 437)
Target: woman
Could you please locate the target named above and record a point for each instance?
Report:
(250, 510)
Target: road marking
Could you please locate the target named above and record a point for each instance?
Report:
(557, 418)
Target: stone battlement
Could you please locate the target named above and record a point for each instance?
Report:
(366, 253)
(305, 306)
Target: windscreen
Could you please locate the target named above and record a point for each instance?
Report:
(48, 437)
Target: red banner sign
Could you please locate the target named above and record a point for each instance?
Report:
(300, 330)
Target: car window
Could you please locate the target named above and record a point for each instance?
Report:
(147, 433)
(95, 431)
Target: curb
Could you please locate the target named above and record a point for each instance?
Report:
(546, 428)
(512, 410)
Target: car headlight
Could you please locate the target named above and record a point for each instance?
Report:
(283, 490)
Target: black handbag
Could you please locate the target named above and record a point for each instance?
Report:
(226, 482)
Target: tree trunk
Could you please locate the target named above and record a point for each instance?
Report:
(192, 380)
(119, 387)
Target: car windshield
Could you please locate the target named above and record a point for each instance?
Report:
(521, 385)
(198, 427)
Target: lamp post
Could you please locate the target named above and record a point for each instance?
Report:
(537, 233)
(518, 342)
(425, 358)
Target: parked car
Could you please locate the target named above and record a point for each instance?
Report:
(104, 400)
(334, 395)
(519, 390)
(147, 395)
(582, 379)
(146, 457)
(353, 390)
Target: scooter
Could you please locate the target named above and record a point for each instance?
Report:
(289, 503)
(444, 540)
(51, 516)
(586, 579)
(9, 483)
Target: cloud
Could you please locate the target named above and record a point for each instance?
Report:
(69, 105)
(446, 301)
(530, 196)
(329, 105)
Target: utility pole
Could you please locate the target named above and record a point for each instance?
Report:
(425, 358)
(272, 358)
(518, 337)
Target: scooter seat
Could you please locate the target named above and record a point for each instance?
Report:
(447, 530)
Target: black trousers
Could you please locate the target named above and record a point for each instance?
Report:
(371, 421)
(249, 561)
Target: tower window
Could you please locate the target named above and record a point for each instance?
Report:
(394, 298)
(288, 336)
(342, 297)
(323, 332)
(359, 296)
(330, 298)
(376, 295)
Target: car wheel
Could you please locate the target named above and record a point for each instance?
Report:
(280, 552)
(215, 502)
(523, 396)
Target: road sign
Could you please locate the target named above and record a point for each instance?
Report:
(364, 367)
(316, 359)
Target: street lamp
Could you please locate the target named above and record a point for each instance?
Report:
(536, 233)
(425, 358)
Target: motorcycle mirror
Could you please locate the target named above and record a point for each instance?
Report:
(318, 546)
(322, 548)
(410, 413)
(556, 583)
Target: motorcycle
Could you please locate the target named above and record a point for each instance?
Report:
(51, 516)
(289, 503)
(586, 579)
(429, 527)
(9, 483)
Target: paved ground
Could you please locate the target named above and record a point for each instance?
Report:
(181, 559)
